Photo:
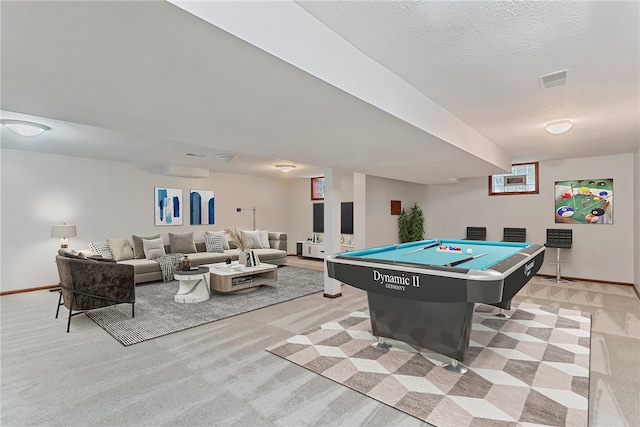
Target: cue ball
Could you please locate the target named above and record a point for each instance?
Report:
(469, 251)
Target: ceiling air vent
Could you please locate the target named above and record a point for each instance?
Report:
(559, 78)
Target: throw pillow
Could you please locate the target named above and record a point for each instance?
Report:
(101, 248)
(138, 249)
(153, 248)
(120, 248)
(264, 239)
(253, 237)
(223, 237)
(213, 243)
(181, 243)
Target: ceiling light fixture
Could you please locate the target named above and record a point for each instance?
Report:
(225, 158)
(285, 168)
(24, 128)
(559, 126)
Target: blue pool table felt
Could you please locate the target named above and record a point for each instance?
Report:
(496, 252)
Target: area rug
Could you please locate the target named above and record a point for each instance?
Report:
(530, 369)
(157, 314)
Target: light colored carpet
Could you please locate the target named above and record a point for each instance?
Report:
(530, 369)
(157, 314)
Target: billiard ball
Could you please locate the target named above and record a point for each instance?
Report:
(566, 211)
(469, 251)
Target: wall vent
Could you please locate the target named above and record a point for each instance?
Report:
(559, 78)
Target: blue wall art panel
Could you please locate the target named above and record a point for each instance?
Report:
(168, 206)
(202, 204)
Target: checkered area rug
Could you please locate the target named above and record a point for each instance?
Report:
(529, 369)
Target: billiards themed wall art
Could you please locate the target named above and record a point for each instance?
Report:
(585, 201)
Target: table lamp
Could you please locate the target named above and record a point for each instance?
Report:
(63, 231)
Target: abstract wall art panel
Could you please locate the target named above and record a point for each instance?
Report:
(168, 206)
(584, 201)
(202, 203)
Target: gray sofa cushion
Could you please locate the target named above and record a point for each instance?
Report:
(101, 248)
(138, 249)
(253, 237)
(213, 243)
(153, 248)
(223, 235)
(120, 249)
(181, 243)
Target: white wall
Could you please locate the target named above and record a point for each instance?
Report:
(601, 252)
(636, 196)
(382, 227)
(109, 199)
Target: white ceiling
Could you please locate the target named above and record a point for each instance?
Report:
(147, 82)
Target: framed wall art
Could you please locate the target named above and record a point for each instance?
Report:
(317, 188)
(202, 204)
(584, 201)
(168, 206)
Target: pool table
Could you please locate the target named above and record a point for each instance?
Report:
(415, 297)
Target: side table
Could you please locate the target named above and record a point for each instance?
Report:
(194, 285)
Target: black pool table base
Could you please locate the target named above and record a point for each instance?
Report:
(443, 328)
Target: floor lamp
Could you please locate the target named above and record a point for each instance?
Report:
(254, 214)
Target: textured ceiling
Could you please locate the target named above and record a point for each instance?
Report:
(146, 82)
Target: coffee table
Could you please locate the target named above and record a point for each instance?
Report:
(193, 285)
(234, 277)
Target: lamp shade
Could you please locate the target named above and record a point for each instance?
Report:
(64, 230)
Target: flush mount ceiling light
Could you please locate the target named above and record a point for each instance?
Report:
(24, 128)
(558, 126)
(285, 168)
(225, 158)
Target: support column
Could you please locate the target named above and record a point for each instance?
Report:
(359, 210)
(332, 287)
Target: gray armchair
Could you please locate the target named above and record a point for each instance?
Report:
(86, 284)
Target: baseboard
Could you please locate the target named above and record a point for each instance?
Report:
(19, 291)
(582, 279)
(333, 296)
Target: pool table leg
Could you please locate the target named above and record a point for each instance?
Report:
(381, 344)
(455, 367)
(502, 315)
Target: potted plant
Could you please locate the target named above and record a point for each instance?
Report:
(411, 224)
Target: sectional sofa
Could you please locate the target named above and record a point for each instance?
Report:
(148, 270)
